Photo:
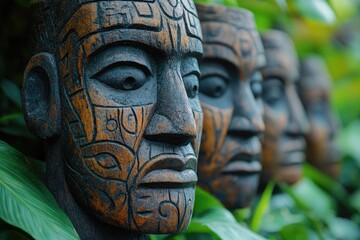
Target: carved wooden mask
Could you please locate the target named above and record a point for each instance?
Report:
(284, 117)
(315, 93)
(230, 95)
(120, 87)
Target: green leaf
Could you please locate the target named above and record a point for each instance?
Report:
(282, 213)
(242, 214)
(344, 229)
(11, 117)
(12, 91)
(205, 201)
(318, 10)
(26, 203)
(296, 231)
(355, 200)
(312, 202)
(221, 223)
(313, 199)
(282, 4)
(330, 185)
(262, 207)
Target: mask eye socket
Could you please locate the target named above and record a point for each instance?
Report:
(124, 77)
(213, 85)
(273, 91)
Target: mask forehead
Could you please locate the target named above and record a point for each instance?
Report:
(231, 35)
(281, 59)
(314, 75)
(166, 25)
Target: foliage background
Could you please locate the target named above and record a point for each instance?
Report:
(330, 28)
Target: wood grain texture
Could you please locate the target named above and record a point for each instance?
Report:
(122, 153)
(230, 95)
(284, 116)
(315, 94)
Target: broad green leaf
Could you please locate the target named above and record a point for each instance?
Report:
(349, 139)
(26, 203)
(343, 8)
(12, 91)
(221, 223)
(282, 4)
(282, 213)
(355, 200)
(318, 10)
(315, 199)
(309, 202)
(296, 231)
(262, 207)
(344, 229)
(242, 214)
(205, 201)
(11, 117)
(330, 185)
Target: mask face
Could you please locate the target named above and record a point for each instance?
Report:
(315, 88)
(230, 95)
(284, 117)
(132, 119)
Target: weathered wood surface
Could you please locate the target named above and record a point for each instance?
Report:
(113, 90)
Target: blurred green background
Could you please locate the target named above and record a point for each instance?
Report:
(318, 208)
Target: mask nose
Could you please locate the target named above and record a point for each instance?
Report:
(173, 121)
(247, 120)
(298, 124)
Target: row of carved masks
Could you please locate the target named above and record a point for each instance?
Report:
(248, 94)
(117, 91)
(236, 86)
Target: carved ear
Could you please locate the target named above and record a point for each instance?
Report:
(40, 96)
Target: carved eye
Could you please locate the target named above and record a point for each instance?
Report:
(273, 91)
(213, 85)
(317, 107)
(123, 77)
(191, 82)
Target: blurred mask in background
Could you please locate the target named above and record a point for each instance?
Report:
(230, 95)
(285, 120)
(315, 93)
